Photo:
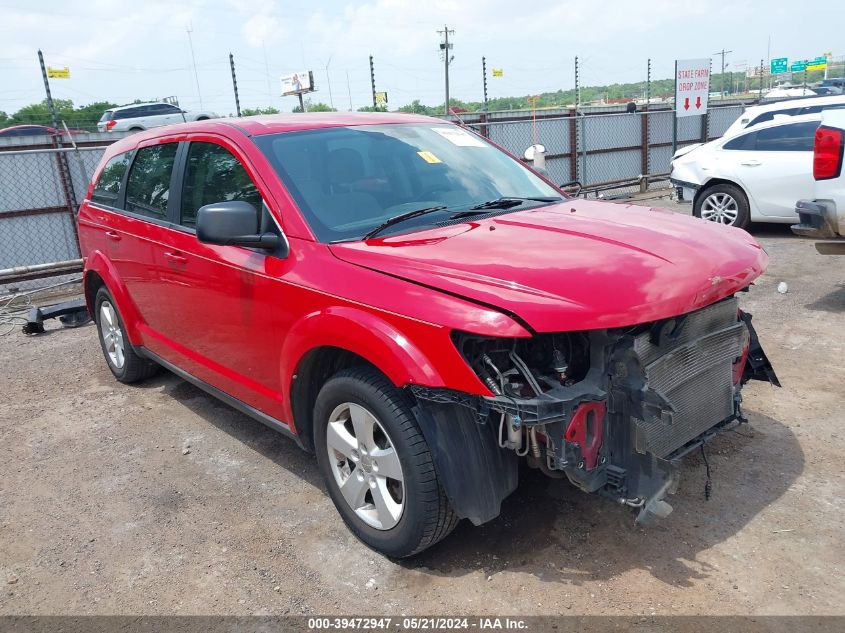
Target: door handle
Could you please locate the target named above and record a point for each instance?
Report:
(175, 258)
(114, 236)
(750, 163)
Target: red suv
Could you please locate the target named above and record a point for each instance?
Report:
(420, 309)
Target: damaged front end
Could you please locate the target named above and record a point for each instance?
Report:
(614, 411)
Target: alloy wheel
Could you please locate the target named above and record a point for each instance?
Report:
(112, 334)
(720, 207)
(365, 466)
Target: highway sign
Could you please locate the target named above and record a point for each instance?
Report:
(819, 63)
(692, 86)
(798, 67)
(779, 65)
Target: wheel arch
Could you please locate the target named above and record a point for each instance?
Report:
(99, 271)
(324, 342)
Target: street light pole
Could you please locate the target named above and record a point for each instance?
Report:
(445, 46)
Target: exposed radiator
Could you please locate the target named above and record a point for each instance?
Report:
(693, 372)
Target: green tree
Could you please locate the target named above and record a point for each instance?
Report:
(254, 111)
(84, 117)
(315, 107)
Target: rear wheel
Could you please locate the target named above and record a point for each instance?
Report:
(723, 203)
(126, 365)
(377, 465)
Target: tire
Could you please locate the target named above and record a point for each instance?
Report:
(723, 203)
(126, 365)
(424, 516)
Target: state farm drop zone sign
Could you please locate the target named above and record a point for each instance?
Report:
(692, 86)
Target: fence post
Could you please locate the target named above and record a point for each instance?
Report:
(573, 144)
(482, 129)
(644, 130)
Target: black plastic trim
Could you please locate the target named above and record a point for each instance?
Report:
(273, 423)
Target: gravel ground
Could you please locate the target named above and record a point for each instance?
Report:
(157, 499)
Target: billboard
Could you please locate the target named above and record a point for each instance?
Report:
(297, 83)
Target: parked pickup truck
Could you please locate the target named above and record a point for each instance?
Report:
(823, 217)
(421, 310)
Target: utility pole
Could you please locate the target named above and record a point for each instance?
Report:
(349, 90)
(484, 71)
(235, 84)
(329, 81)
(760, 98)
(194, 60)
(54, 119)
(723, 52)
(373, 81)
(267, 74)
(446, 49)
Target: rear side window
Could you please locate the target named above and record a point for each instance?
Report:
(770, 116)
(108, 185)
(107, 116)
(213, 174)
(129, 113)
(795, 137)
(148, 186)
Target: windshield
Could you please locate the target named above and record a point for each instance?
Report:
(349, 180)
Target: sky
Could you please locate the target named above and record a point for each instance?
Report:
(121, 51)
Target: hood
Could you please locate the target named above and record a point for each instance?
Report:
(575, 265)
(685, 150)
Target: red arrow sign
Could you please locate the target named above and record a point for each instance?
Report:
(686, 103)
(697, 102)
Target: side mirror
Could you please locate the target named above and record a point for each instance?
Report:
(234, 223)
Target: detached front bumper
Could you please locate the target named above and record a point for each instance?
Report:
(818, 219)
(686, 190)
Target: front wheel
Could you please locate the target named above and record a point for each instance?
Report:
(723, 203)
(377, 465)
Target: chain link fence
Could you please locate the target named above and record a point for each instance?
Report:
(611, 152)
(40, 191)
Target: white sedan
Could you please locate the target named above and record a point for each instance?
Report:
(755, 175)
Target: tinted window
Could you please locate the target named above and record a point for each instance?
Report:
(108, 185)
(213, 174)
(769, 116)
(744, 142)
(128, 113)
(164, 108)
(795, 137)
(348, 180)
(148, 187)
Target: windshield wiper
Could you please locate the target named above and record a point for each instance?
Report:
(506, 202)
(396, 219)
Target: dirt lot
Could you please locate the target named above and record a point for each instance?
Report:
(157, 499)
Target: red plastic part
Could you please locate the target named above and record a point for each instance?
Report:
(827, 153)
(586, 430)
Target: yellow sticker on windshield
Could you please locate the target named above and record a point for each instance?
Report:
(429, 157)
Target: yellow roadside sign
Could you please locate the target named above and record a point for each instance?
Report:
(498, 72)
(58, 73)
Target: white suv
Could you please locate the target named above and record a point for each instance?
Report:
(823, 217)
(142, 116)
